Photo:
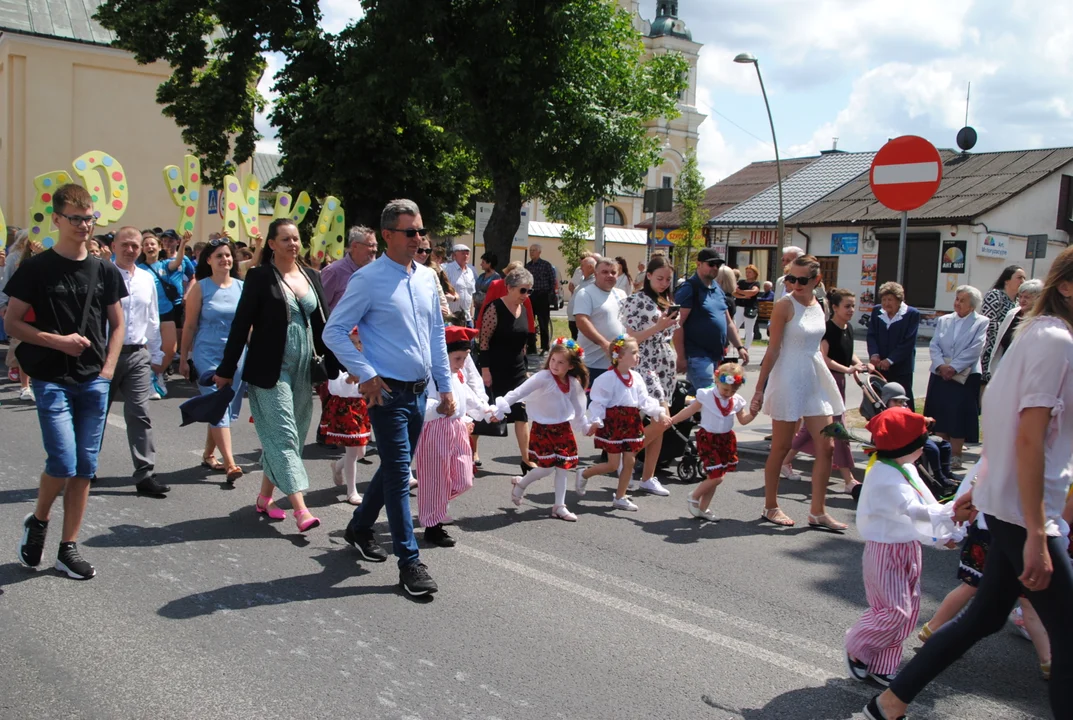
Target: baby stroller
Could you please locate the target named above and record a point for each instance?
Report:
(678, 445)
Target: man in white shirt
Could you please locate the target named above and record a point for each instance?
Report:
(789, 254)
(585, 276)
(139, 359)
(596, 312)
(461, 275)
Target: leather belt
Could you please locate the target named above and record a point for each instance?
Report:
(128, 349)
(416, 388)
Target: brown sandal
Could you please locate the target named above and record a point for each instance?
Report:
(777, 517)
(826, 522)
(234, 473)
(210, 462)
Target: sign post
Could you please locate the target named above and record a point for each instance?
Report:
(1035, 248)
(659, 200)
(905, 174)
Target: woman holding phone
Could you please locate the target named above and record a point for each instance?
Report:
(650, 317)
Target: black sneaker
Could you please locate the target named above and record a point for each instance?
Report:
(882, 679)
(437, 535)
(365, 543)
(872, 711)
(857, 669)
(152, 487)
(70, 561)
(32, 544)
(415, 580)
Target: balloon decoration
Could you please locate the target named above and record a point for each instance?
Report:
(184, 184)
(288, 207)
(329, 237)
(106, 181)
(41, 210)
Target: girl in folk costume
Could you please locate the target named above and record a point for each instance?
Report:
(895, 513)
(443, 459)
(344, 421)
(618, 399)
(717, 444)
(554, 401)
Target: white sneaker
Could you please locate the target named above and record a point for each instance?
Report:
(633, 486)
(652, 486)
(580, 481)
(787, 472)
(26, 394)
(623, 503)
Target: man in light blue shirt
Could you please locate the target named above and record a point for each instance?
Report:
(395, 305)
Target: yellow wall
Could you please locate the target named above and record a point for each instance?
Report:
(60, 99)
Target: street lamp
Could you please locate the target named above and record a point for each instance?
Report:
(750, 59)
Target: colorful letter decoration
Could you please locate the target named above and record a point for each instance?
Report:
(3, 227)
(185, 186)
(240, 203)
(106, 181)
(287, 207)
(41, 210)
(329, 237)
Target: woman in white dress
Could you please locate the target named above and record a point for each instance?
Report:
(795, 384)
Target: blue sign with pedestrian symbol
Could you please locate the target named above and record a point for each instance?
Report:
(214, 202)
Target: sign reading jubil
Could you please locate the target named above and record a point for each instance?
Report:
(329, 239)
(106, 181)
(906, 172)
(184, 185)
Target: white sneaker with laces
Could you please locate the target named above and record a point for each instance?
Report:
(26, 394)
(623, 503)
(787, 472)
(652, 486)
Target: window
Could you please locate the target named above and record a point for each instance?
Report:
(668, 182)
(921, 266)
(612, 216)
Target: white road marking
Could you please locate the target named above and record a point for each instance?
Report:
(116, 421)
(905, 173)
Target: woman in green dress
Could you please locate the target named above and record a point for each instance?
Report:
(280, 317)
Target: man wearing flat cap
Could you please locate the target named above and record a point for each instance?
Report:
(461, 275)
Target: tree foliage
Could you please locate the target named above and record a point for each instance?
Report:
(690, 191)
(575, 236)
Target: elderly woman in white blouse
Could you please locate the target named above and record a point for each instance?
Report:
(954, 386)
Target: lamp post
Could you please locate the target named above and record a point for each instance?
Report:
(750, 59)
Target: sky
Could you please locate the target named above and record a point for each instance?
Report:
(865, 71)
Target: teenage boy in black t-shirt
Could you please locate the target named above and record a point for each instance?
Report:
(71, 362)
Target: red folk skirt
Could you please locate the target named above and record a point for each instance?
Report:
(553, 446)
(623, 430)
(718, 452)
(345, 422)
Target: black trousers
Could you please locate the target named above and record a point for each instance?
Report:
(542, 311)
(987, 612)
(573, 329)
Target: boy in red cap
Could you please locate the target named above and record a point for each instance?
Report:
(444, 460)
(895, 514)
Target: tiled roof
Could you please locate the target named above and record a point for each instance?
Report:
(734, 189)
(629, 236)
(64, 19)
(799, 190)
(972, 184)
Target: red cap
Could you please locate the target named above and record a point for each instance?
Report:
(897, 432)
(460, 337)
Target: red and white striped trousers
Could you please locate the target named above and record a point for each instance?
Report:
(892, 586)
(444, 463)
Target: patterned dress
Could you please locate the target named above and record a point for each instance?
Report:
(640, 312)
(996, 306)
(289, 404)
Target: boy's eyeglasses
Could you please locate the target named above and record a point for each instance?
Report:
(80, 220)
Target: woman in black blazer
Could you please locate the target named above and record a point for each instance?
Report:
(280, 318)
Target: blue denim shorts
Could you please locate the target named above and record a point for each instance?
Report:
(72, 421)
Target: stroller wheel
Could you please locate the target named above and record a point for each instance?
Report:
(687, 468)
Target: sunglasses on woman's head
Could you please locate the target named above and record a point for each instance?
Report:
(218, 242)
(793, 279)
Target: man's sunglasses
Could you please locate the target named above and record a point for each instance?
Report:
(795, 280)
(715, 263)
(423, 251)
(411, 232)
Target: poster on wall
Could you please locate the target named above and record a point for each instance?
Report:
(953, 257)
(844, 243)
(867, 299)
(869, 267)
(951, 283)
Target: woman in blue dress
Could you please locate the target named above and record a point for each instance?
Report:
(211, 304)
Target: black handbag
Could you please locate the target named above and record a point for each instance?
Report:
(318, 367)
(41, 362)
(751, 311)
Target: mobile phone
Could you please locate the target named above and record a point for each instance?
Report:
(673, 309)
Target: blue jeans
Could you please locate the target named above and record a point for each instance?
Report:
(700, 372)
(72, 421)
(396, 426)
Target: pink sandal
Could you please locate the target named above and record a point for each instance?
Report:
(269, 508)
(309, 523)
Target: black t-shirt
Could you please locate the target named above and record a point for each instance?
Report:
(57, 288)
(839, 343)
(747, 302)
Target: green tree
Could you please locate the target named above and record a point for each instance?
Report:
(575, 236)
(690, 191)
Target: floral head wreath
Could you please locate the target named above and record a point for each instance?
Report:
(570, 344)
(617, 346)
(731, 379)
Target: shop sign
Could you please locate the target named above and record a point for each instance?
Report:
(761, 238)
(993, 246)
(953, 257)
(844, 243)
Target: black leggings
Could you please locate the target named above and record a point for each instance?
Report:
(987, 613)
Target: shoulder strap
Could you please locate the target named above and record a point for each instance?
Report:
(94, 272)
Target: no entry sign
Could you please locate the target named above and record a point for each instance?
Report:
(906, 173)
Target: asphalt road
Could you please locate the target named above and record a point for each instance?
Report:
(203, 609)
